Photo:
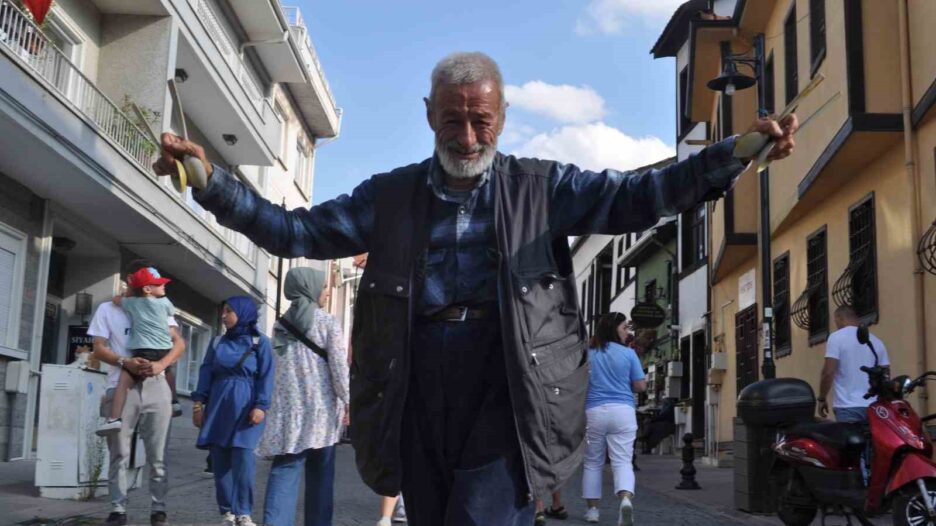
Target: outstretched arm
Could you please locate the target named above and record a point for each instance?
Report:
(337, 228)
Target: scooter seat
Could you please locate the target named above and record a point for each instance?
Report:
(835, 434)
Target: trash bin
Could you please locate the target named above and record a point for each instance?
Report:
(763, 408)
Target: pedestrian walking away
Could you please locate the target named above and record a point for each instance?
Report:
(234, 385)
(616, 374)
(469, 362)
(310, 398)
(148, 403)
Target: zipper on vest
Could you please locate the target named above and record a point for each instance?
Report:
(535, 359)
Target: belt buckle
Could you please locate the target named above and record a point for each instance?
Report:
(464, 313)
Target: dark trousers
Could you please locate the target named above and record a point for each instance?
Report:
(461, 459)
(318, 465)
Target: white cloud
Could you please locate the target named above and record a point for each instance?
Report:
(564, 103)
(516, 133)
(611, 16)
(596, 146)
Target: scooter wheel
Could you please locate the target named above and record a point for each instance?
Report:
(909, 508)
(791, 507)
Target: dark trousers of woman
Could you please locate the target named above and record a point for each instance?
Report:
(318, 466)
(461, 458)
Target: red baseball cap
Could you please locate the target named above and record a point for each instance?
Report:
(146, 276)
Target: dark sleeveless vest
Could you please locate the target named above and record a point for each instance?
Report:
(543, 335)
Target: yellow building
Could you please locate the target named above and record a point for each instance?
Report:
(847, 209)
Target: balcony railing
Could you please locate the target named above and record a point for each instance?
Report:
(229, 51)
(23, 40)
(309, 56)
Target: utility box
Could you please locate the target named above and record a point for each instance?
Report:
(17, 377)
(674, 369)
(72, 461)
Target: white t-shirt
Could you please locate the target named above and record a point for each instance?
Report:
(111, 322)
(851, 383)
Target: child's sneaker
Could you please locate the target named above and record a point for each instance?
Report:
(384, 521)
(592, 515)
(109, 427)
(176, 408)
(228, 519)
(626, 515)
(399, 512)
(245, 520)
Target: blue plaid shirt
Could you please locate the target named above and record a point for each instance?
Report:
(461, 258)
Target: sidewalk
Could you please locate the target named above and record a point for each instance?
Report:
(191, 497)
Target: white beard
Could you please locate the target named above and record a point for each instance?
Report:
(465, 169)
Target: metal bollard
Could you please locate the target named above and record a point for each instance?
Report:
(688, 470)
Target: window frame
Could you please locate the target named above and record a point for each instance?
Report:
(817, 336)
(770, 85)
(18, 246)
(790, 56)
(871, 316)
(683, 123)
(817, 54)
(782, 276)
(192, 358)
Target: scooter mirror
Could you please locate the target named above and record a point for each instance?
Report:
(863, 335)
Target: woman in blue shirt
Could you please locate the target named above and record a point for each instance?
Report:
(233, 395)
(616, 374)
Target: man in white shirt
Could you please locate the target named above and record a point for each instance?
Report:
(842, 369)
(149, 402)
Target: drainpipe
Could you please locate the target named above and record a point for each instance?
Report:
(913, 175)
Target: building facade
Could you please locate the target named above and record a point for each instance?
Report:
(78, 198)
(848, 210)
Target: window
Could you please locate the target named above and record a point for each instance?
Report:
(862, 258)
(650, 291)
(781, 305)
(12, 272)
(625, 274)
(817, 286)
(817, 34)
(789, 55)
(303, 174)
(770, 96)
(746, 347)
(693, 237)
(684, 123)
(197, 336)
(284, 131)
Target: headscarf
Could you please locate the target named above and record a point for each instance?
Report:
(303, 287)
(246, 309)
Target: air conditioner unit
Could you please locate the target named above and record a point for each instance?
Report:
(720, 361)
(673, 388)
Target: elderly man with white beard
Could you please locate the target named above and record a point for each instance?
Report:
(469, 374)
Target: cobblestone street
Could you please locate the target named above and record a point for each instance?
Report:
(191, 499)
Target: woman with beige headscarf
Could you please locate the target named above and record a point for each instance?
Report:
(310, 397)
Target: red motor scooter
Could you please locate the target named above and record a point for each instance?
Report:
(818, 465)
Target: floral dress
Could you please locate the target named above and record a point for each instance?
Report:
(310, 394)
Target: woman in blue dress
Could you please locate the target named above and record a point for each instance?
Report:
(233, 395)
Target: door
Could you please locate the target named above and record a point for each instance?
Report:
(700, 360)
(746, 346)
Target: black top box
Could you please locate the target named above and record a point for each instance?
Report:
(777, 402)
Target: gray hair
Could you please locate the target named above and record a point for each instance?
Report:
(461, 68)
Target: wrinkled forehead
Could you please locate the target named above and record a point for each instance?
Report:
(481, 95)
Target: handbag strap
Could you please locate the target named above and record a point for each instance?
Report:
(253, 347)
(303, 338)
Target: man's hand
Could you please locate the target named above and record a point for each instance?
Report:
(256, 416)
(346, 420)
(781, 132)
(175, 148)
(158, 367)
(138, 366)
(824, 409)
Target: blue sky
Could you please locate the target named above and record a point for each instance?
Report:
(582, 85)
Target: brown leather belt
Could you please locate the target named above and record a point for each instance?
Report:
(461, 313)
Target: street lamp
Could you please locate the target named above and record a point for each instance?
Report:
(729, 81)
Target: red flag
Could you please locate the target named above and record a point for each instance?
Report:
(39, 9)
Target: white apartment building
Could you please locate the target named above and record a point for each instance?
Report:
(78, 199)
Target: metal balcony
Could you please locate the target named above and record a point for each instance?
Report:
(23, 41)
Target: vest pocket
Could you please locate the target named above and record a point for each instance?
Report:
(547, 306)
(565, 410)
